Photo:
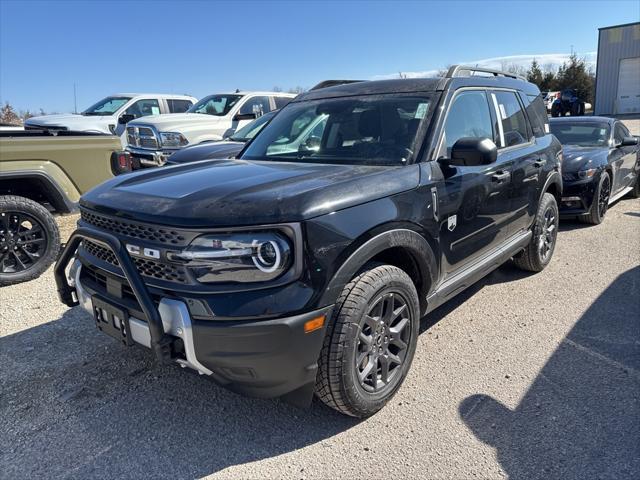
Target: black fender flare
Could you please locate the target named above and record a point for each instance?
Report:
(55, 194)
(553, 178)
(414, 243)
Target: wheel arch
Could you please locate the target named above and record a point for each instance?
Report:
(553, 185)
(401, 247)
(37, 186)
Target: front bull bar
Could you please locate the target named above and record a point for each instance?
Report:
(160, 341)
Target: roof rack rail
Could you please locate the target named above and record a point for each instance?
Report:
(333, 83)
(468, 71)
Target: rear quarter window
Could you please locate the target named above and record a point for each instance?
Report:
(179, 106)
(537, 113)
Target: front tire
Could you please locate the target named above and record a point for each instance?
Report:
(600, 203)
(370, 343)
(29, 240)
(537, 255)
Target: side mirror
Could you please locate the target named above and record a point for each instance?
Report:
(245, 116)
(125, 118)
(470, 152)
(628, 142)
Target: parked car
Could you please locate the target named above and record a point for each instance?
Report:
(40, 173)
(153, 139)
(567, 101)
(601, 164)
(111, 114)
(227, 148)
(290, 271)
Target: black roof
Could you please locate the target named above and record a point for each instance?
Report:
(410, 85)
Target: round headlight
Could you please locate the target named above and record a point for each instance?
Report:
(267, 257)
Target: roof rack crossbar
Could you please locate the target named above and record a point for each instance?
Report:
(459, 71)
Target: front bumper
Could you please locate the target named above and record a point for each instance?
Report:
(263, 358)
(149, 158)
(577, 196)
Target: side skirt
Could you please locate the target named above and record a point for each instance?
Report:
(474, 272)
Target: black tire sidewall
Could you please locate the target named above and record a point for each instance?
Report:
(21, 204)
(548, 200)
(368, 403)
(596, 199)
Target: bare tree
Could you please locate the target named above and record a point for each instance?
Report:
(8, 115)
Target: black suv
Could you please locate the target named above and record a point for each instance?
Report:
(305, 266)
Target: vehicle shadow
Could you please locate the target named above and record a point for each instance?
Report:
(581, 416)
(78, 404)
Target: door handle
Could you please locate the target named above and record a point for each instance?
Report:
(501, 177)
(539, 163)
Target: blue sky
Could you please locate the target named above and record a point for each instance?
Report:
(200, 47)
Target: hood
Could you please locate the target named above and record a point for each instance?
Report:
(73, 122)
(206, 151)
(225, 193)
(576, 158)
(168, 121)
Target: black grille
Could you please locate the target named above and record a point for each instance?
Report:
(146, 267)
(135, 230)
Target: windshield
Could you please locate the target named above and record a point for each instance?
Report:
(106, 106)
(365, 130)
(218, 105)
(250, 130)
(584, 134)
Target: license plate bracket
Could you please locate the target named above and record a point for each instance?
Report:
(112, 320)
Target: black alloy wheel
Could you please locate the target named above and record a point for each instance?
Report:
(382, 344)
(548, 233)
(29, 239)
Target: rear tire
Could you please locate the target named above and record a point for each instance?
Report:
(537, 255)
(575, 109)
(29, 239)
(600, 203)
(370, 342)
(635, 192)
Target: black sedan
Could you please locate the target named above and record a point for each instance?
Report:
(601, 164)
(226, 148)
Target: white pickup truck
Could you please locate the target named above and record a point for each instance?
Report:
(151, 140)
(111, 114)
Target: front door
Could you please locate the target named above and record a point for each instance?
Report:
(474, 201)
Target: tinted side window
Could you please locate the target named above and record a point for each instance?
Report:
(257, 105)
(537, 113)
(179, 106)
(514, 124)
(281, 101)
(468, 116)
(142, 108)
(619, 133)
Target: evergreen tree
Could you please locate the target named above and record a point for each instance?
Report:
(534, 74)
(575, 74)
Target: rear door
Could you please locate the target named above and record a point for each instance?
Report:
(474, 201)
(518, 147)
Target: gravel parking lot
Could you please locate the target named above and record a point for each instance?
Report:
(525, 376)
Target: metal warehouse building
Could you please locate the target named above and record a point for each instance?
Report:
(618, 70)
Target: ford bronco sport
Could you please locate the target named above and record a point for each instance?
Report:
(286, 272)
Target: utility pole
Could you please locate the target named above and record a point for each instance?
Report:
(75, 100)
